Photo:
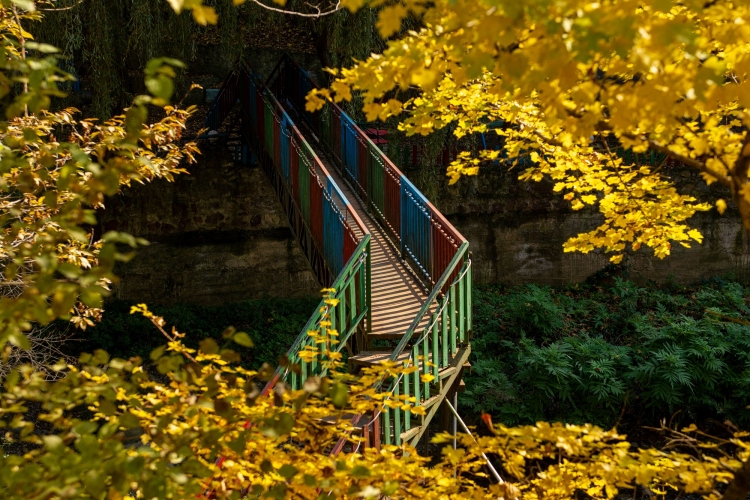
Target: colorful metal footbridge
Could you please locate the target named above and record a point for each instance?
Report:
(401, 272)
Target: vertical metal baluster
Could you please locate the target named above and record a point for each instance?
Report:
(425, 368)
(461, 309)
(415, 375)
(387, 425)
(435, 349)
(444, 329)
(353, 313)
(407, 413)
(452, 311)
(397, 415)
(342, 317)
(469, 305)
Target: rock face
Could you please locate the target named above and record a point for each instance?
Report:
(220, 234)
(217, 235)
(516, 232)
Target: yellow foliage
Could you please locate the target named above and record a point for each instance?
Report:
(571, 81)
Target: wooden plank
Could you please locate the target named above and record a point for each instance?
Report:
(397, 295)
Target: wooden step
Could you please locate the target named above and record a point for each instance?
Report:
(371, 358)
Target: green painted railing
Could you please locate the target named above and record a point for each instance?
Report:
(438, 349)
(316, 209)
(431, 245)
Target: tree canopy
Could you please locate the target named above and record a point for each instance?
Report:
(572, 81)
(200, 422)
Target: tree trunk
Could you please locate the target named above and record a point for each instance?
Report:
(739, 488)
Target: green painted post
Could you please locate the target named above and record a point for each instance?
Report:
(303, 371)
(314, 363)
(342, 313)
(407, 413)
(333, 315)
(435, 349)
(469, 305)
(368, 278)
(461, 309)
(386, 425)
(452, 306)
(353, 313)
(397, 416)
(444, 330)
(425, 368)
(417, 383)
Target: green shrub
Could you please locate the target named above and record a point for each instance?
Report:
(272, 323)
(584, 353)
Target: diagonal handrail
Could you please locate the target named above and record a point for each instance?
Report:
(432, 247)
(353, 279)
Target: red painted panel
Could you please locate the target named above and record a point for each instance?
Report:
(245, 92)
(260, 123)
(445, 243)
(393, 201)
(294, 170)
(316, 212)
(277, 143)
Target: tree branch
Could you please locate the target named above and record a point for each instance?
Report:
(58, 9)
(690, 162)
(318, 14)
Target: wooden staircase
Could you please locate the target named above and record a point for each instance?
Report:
(401, 272)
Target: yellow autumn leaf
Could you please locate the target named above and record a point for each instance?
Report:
(205, 15)
(721, 205)
(389, 19)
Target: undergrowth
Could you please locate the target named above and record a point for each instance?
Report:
(619, 354)
(272, 323)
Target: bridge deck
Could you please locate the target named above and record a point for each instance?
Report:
(397, 296)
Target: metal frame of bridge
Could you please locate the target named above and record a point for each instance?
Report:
(401, 272)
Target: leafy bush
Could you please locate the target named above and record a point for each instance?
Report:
(583, 353)
(272, 323)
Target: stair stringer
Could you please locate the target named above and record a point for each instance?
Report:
(461, 357)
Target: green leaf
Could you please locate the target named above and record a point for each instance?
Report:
(288, 471)
(42, 47)
(208, 346)
(243, 339)
(94, 480)
(53, 443)
(27, 5)
(360, 471)
(134, 465)
(158, 353)
(339, 395)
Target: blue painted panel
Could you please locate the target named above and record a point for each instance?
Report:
(333, 232)
(415, 225)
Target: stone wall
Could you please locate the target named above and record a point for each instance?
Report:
(219, 234)
(516, 231)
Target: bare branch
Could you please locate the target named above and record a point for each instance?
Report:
(318, 14)
(58, 9)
